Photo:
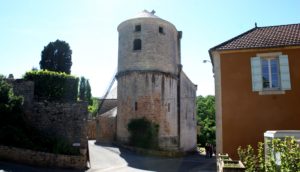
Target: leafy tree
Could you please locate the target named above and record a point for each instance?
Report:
(206, 119)
(9, 103)
(56, 56)
(10, 114)
(93, 108)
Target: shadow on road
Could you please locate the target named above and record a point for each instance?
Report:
(113, 158)
(194, 162)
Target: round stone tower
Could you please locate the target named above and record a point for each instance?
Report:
(148, 76)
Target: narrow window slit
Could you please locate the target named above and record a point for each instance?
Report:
(135, 106)
(161, 30)
(137, 44)
(137, 28)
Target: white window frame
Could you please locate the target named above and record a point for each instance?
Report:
(270, 73)
(284, 74)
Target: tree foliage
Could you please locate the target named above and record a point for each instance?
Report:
(57, 56)
(88, 92)
(206, 120)
(82, 88)
(93, 108)
(85, 90)
(9, 103)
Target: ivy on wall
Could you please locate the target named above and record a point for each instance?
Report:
(143, 133)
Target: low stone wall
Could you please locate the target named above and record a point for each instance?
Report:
(43, 159)
(106, 126)
(226, 164)
(91, 129)
(67, 121)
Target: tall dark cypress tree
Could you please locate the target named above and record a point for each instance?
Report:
(82, 88)
(88, 93)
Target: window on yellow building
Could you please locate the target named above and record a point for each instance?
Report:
(270, 71)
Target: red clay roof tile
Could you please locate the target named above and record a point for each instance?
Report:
(264, 37)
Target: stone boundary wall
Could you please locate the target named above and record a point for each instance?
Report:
(106, 126)
(66, 121)
(226, 164)
(43, 159)
(91, 129)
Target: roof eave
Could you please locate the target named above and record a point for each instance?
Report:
(226, 42)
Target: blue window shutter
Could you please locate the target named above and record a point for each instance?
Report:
(257, 84)
(284, 72)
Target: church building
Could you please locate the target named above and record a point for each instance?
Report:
(152, 84)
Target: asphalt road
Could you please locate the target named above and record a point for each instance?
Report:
(110, 158)
(107, 158)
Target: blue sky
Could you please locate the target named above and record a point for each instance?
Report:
(90, 27)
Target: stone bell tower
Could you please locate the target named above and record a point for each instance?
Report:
(149, 72)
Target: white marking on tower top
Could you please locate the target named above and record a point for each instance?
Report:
(146, 14)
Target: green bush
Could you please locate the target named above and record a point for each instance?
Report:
(93, 109)
(289, 156)
(53, 86)
(143, 133)
(9, 103)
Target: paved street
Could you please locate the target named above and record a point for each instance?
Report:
(107, 158)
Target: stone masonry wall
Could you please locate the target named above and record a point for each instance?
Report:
(106, 126)
(188, 129)
(150, 95)
(91, 129)
(63, 120)
(159, 51)
(23, 88)
(42, 159)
